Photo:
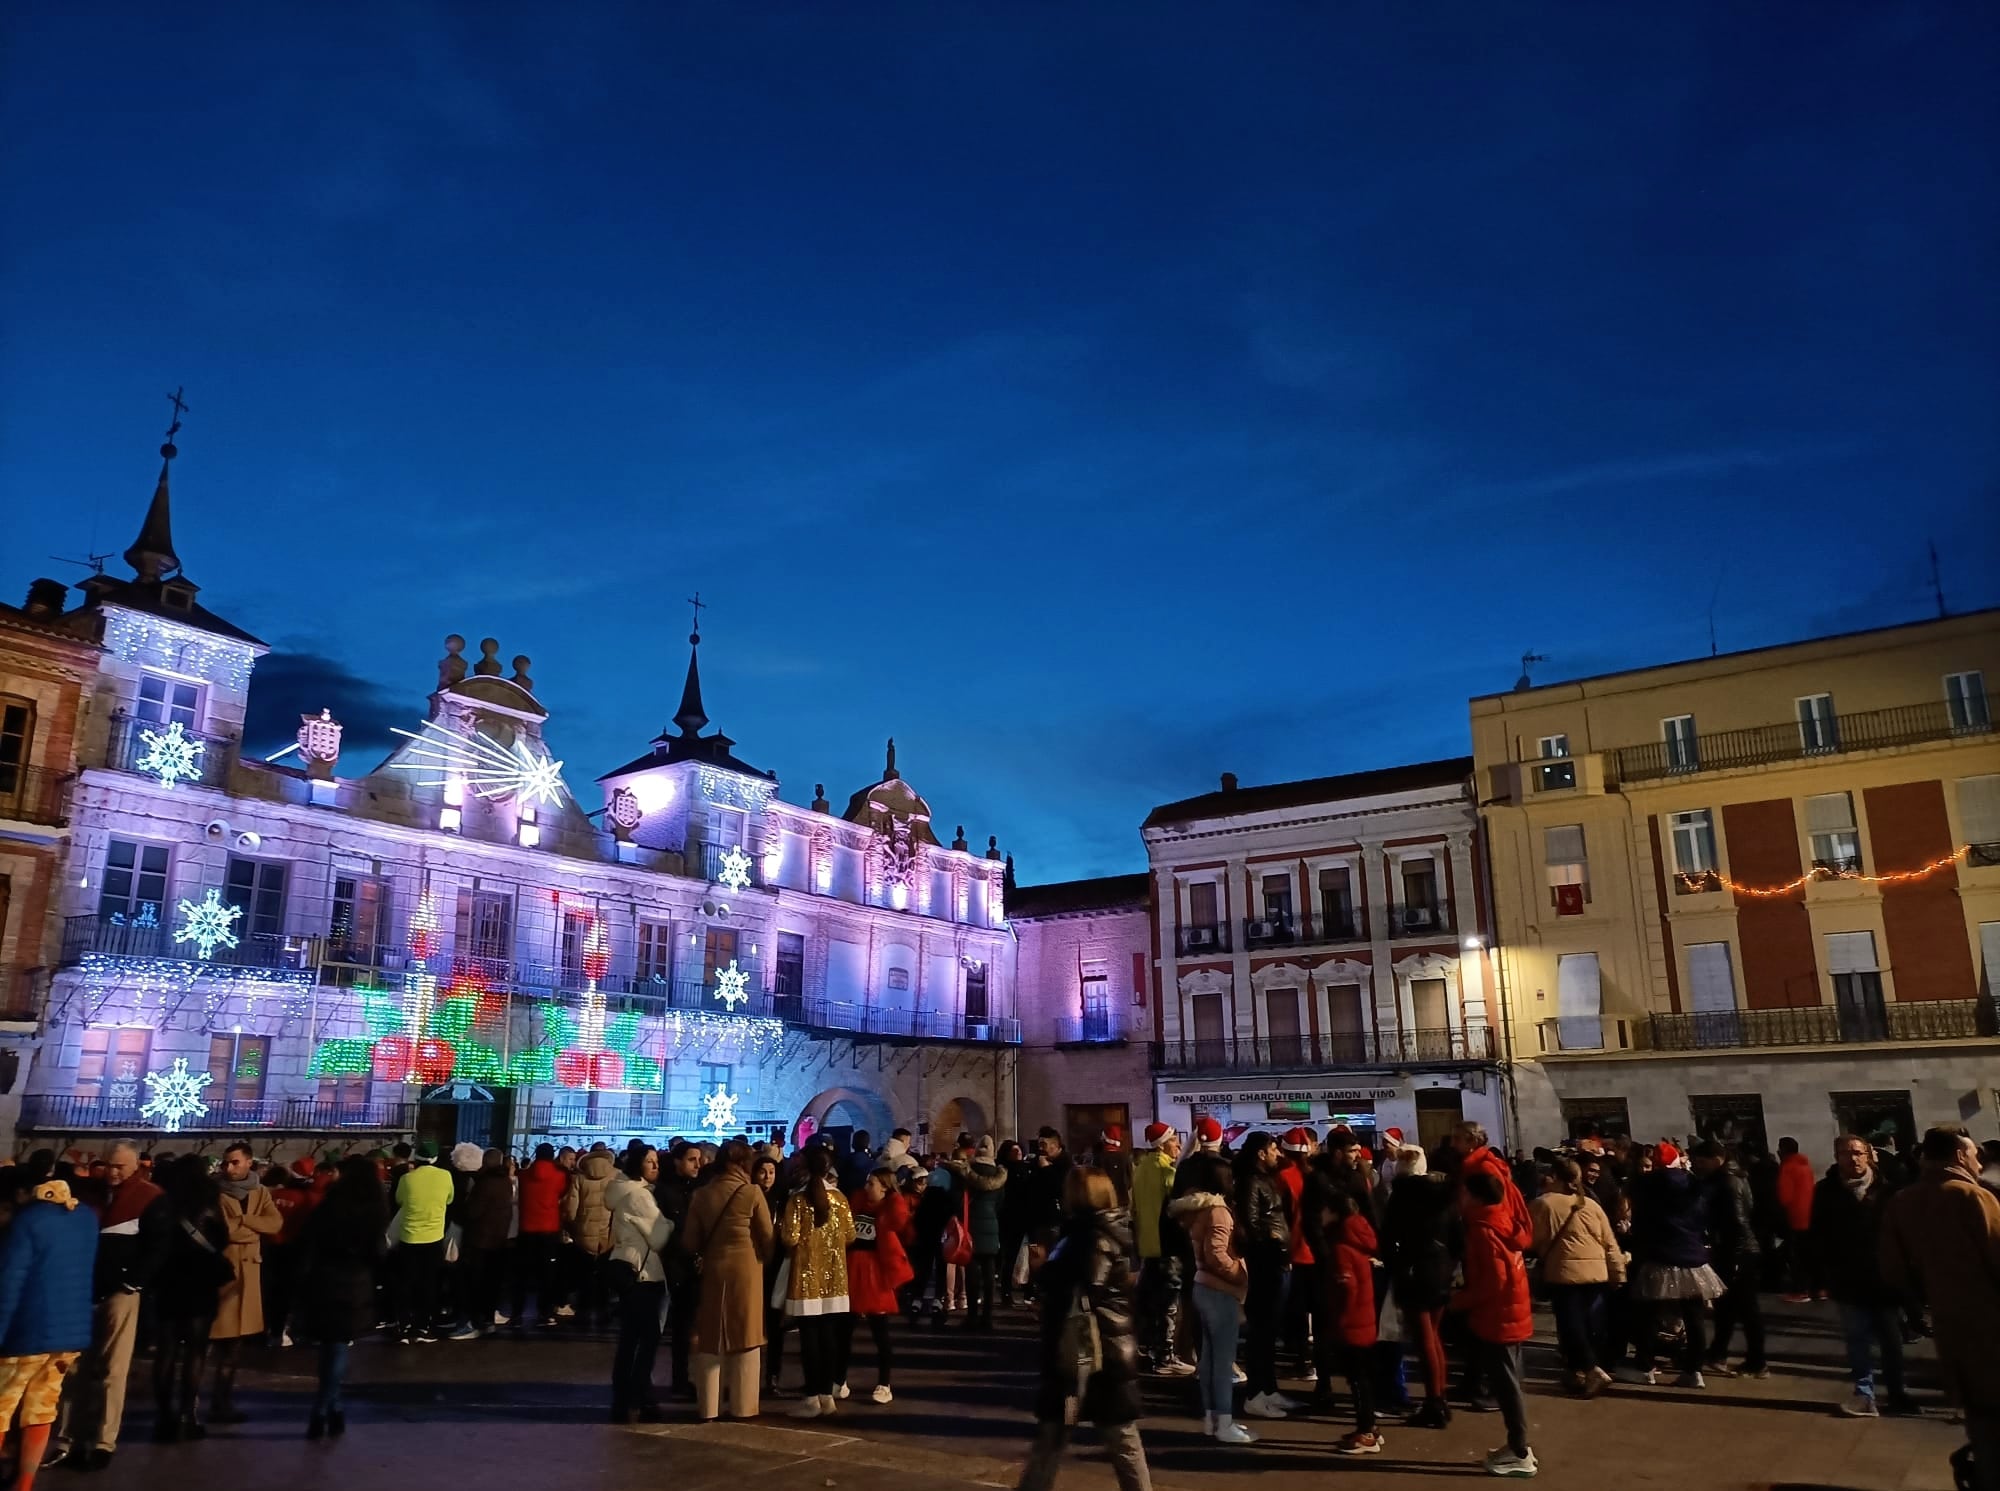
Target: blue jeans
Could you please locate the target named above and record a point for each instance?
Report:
(1873, 1325)
(1579, 1312)
(1221, 1318)
(332, 1374)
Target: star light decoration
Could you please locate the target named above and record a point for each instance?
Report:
(732, 985)
(175, 1095)
(720, 1116)
(491, 770)
(207, 923)
(171, 755)
(735, 871)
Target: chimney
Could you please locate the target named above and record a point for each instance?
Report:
(1229, 781)
(46, 597)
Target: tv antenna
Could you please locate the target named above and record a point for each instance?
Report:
(95, 563)
(1714, 596)
(1937, 585)
(1527, 659)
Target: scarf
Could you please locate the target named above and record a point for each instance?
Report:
(240, 1189)
(56, 1191)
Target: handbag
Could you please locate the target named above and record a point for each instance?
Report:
(454, 1241)
(222, 1273)
(956, 1243)
(1538, 1284)
(1021, 1269)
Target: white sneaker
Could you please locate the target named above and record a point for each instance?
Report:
(466, 1333)
(1691, 1379)
(1506, 1463)
(500, 1320)
(1600, 1378)
(826, 1405)
(1264, 1406)
(882, 1394)
(1860, 1406)
(564, 1312)
(1635, 1376)
(285, 1339)
(807, 1408)
(1228, 1431)
(841, 1392)
(1290, 1405)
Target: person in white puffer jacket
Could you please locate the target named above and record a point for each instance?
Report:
(639, 1233)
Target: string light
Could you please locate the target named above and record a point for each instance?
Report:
(134, 637)
(493, 771)
(1715, 879)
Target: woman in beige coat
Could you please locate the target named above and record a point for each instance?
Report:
(729, 1231)
(1580, 1262)
(251, 1216)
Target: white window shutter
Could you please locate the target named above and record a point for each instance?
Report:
(1579, 1002)
(1850, 952)
(1979, 808)
(1713, 985)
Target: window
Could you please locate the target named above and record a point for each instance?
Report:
(346, 1094)
(1728, 1118)
(1694, 851)
(718, 953)
(1579, 1003)
(1278, 898)
(1965, 702)
(236, 1067)
(975, 993)
(1562, 773)
(112, 1067)
(1420, 885)
(1857, 986)
(1206, 1011)
(167, 701)
(714, 1075)
(1608, 1116)
(1712, 986)
(485, 926)
(1989, 956)
(258, 886)
(1430, 1004)
(1201, 904)
(1836, 843)
(730, 825)
(1677, 733)
(1568, 868)
(1336, 901)
(1819, 726)
(1346, 1026)
(575, 932)
(135, 883)
(656, 952)
(1281, 1023)
(17, 727)
(791, 969)
(360, 922)
(1979, 817)
(1098, 1018)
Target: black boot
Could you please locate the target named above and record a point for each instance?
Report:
(316, 1427)
(1435, 1414)
(336, 1422)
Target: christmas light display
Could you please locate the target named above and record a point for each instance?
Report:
(1716, 880)
(134, 637)
(492, 771)
(425, 928)
(207, 922)
(171, 755)
(735, 871)
(732, 985)
(720, 1114)
(174, 1095)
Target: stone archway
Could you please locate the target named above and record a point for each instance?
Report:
(960, 1115)
(845, 1107)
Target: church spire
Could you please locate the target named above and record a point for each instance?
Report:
(152, 555)
(691, 717)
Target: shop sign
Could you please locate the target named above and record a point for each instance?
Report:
(1218, 1098)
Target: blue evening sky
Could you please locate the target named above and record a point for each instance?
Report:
(1097, 397)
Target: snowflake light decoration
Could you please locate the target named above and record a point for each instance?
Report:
(492, 770)
(172, 755)
(720, 1114)
(174, 1095)
(735, 871)
(732, 985)
(207, 922)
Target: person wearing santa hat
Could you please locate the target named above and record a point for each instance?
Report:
(1115, 1161)
(1672, 1276)
(1161, 1276)
(1298, 1146)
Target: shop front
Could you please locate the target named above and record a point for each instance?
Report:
(1422, 1108)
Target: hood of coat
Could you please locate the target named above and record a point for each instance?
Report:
(598, 1167)
(1194, 1202)
(627, 1194)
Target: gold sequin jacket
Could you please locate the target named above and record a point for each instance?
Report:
(819, 1254)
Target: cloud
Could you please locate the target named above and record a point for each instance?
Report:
(1640, 470)
(292, 683)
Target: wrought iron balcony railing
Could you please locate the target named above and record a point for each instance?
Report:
(1828, 1025)
(170, 753)
(146, 937)
(1091, 1028)
(868, 1019)
(1328, 1049)
(69, 1113)
(715, 864)
(1762, 745)
(1425, 919)
(33, 794)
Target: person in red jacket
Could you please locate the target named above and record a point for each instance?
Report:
(539, 1247)
(878, 1264)
(1302, 1301)
(1795, 1199)
(1347, 1274)
(1497, 1306)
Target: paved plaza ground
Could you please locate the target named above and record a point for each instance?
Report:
(528, 1412)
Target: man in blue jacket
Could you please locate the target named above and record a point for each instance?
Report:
(45, 1316)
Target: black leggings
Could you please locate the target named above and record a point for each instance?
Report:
(819, 1351)
(179, 1356)
(980, 1277)
(885, 1357)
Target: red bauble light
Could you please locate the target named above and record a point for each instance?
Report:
(435, 1060)
(392, 1059)
(573, 1068)
(607, 1070)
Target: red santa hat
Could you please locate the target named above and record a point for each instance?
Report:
(1295, 1141)
(1668, 1154)
(1394, 1136)
(1158, 1133)
(1207, 1131)
(1112, 1139)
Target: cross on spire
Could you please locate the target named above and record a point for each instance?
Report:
(700, 606)
(180, 408)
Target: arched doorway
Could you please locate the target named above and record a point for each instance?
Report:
(840, 1111)
(959, 1116)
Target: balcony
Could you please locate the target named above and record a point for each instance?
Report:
(205, 757)
(65, 1113)
(712, 867)
(1429, 919)
(1201, 942)
(841, 1018)
(1092, 1028)
(1765, 745)
(33, 794)
(1828, 1025)
(118, 937)
(1301, 1053)
(1303, 929)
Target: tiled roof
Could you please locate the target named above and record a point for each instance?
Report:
(1313, 790)
(1105, 893)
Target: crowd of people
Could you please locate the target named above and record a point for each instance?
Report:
(1289, 1257)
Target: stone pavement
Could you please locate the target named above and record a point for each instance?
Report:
(527, 1413)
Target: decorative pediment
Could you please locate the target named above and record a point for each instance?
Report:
(1343, 971)
(1278, 976)
(1426, 965)
(1205, 981)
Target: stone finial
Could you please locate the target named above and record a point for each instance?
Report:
(319, 743)
(521, 679)
(451, 667)
(959, 842)
(820, 804)
(488, 665)
(993, 846)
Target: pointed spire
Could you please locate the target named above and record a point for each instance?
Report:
(889, 772)
(152, 554)
(691, 716)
